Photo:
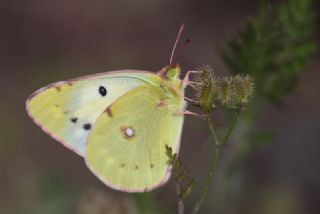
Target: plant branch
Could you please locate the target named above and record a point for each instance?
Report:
(212, 130)
(216, 154)
(231, 128)
(183, 182)
(180, 199)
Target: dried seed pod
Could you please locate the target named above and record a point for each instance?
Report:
(229, 92)
(207, 90)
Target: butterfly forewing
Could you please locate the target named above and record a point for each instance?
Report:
(67, 110)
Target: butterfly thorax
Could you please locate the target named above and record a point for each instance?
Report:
(173, 87)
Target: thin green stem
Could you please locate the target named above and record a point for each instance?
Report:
(216, 154)
(231, 128)
(213, 132)
(180, 200)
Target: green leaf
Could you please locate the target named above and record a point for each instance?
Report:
(275, 47)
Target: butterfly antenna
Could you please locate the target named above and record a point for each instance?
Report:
(176, 43)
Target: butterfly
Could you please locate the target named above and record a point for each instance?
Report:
(119, 122)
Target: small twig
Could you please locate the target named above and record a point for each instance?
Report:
(183, 182)
(231, 128)
(180, 200)
(215, 158)
(213, 132)
(216, 154)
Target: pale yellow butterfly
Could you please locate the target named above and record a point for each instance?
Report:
(118, 121)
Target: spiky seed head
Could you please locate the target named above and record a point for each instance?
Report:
(207, 90)
(229, 92)
(226, 92)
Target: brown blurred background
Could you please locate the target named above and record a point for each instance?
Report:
(46, 41)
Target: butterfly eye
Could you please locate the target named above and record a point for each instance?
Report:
(173, 73)
(170, 74)
(102, 91)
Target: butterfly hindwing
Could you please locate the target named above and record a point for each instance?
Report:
(126, 146)
(67, 110)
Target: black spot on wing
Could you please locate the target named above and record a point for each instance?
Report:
(87, 126)
(103, 91)
(74, 119)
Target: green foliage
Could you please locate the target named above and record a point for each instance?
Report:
(274, 47)
(147, 203)
(262, 138)
(56, 195)
(180, 173)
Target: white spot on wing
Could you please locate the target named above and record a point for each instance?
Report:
(129, 132)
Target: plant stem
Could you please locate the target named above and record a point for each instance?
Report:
(180, 200)
(213, 132)
(216, 154)
(231, 128)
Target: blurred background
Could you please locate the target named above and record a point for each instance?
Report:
(269, 166)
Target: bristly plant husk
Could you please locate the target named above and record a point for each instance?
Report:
(229, 92)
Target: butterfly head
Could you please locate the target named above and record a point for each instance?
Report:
(170, 73)
(173, 72)
(170, 76)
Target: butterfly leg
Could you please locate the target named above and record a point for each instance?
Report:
(189, 113)
(186, 80)
(186, 77)
(191, 84)
(186, 98)
(191, 100)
